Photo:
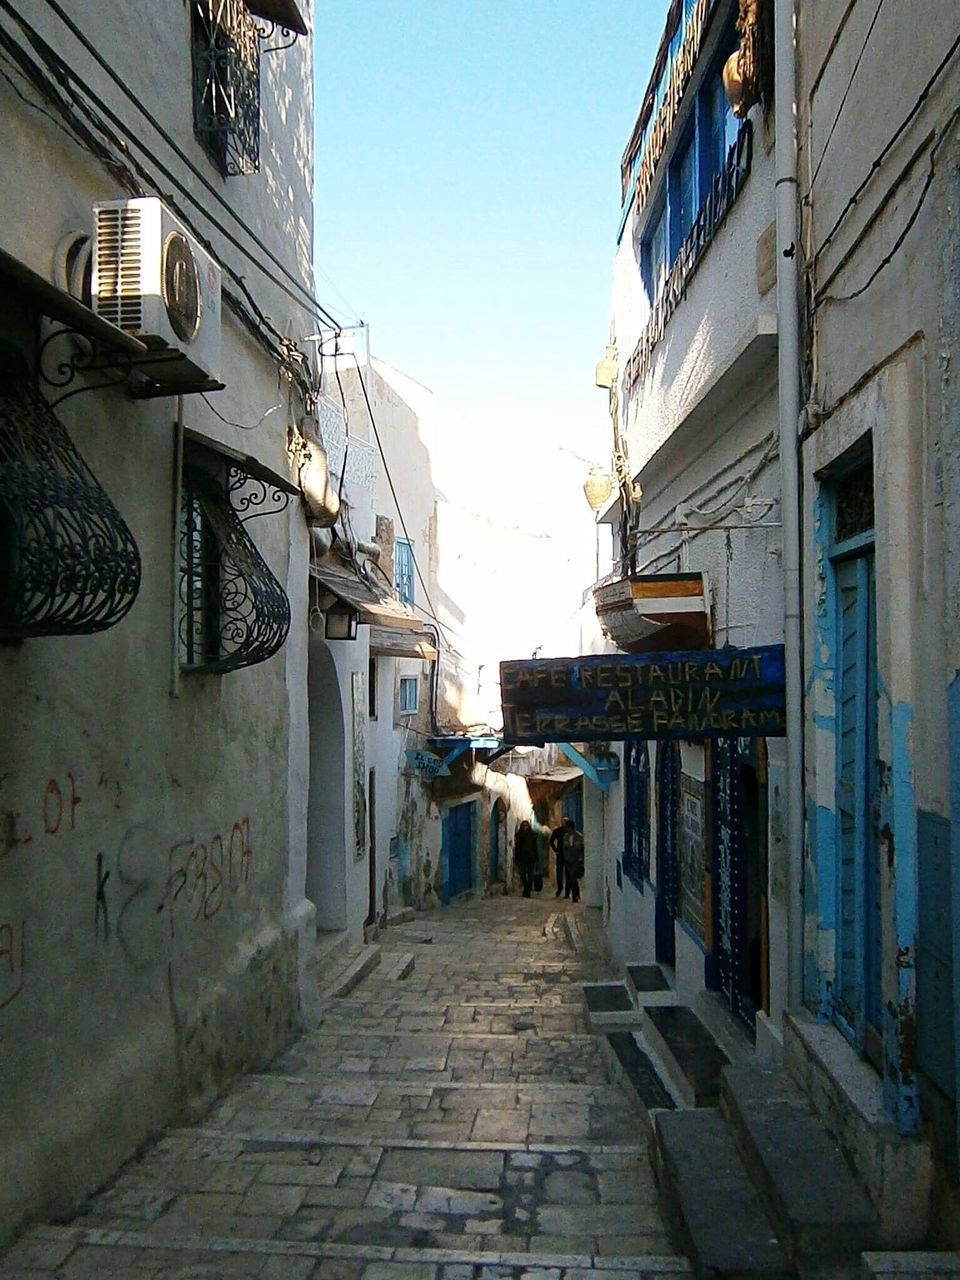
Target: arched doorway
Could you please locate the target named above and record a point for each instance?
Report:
(668, 831)
(326, 863)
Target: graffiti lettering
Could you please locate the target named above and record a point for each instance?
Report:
(53, 805)
(101, 912)
(13, 961)
(196, 873)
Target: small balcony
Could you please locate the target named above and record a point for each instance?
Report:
(655, 612)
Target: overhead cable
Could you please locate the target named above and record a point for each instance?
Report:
(308, 299)
(386, 468)
(897, 135)
(66, 77)
(907, 227)
(132, 174)
(843, 100)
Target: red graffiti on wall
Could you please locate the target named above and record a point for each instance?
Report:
(56, 810)
(202, 874)
(13, 960)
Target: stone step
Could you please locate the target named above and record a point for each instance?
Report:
(644, 978)
(820, 1211)
(688, 1051)
(717, 1214)
(608, 997)
(362, 963)
(847, 1093)
(635, 1066)
(913, 1265)
(331, 944)
(399, 967)
(90, 1253)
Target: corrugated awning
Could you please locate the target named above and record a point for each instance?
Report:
(402, 644)
(374, 606)
(562, 773)
(655, 611)
(283, 12)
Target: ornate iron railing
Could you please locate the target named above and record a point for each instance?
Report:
(727, 186)
(226, 85)
(234, 612)
(69, 564)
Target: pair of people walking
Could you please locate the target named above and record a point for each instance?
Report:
(567, 843)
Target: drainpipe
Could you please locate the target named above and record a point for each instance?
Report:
(177, 533)
(789, 412)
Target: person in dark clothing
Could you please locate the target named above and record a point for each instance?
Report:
(556, 844)
(567, 844)
(572, 860)
(525, 855)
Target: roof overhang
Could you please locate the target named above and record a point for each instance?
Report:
(375, 607)
(651, 612)
(284, 13)
(388, 642)
(245, 462)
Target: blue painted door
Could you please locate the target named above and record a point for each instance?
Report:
(573, 807)
(858, 988)
(668, 871)
(458, 828)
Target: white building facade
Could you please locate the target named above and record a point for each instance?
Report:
(694, 874)
(153, 916)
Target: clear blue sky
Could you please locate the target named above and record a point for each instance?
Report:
(467, 193)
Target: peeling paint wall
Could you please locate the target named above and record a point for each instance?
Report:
(152, 908)
(882, 348)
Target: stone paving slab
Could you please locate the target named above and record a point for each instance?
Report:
(458, 1126)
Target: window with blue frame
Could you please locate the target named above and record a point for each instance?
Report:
(403, 570)
(683, 179)
(656, 253)
(723, 124)
(709, 132)
(636, 812)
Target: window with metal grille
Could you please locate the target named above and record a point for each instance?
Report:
(636, 813)
(403, 570)
(409, 695)
(226, 84)
(233, 611)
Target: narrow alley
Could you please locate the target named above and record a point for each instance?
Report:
(449, 1121)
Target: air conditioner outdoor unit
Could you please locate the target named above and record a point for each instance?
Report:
(153, 280)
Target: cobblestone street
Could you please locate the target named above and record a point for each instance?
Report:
(453, 1124)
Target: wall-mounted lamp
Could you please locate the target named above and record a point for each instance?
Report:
(341, 622)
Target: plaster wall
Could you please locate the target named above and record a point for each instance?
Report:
(151, 886)
(883, 286)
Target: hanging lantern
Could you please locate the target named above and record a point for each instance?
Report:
(597, 487)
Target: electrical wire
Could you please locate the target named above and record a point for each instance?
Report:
(131, 174)
(310, 301)
(242, 426)
(843, 100)
(878, 162)
(386, 468)
(907, 227)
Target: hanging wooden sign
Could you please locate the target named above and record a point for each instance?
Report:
(706, 693)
